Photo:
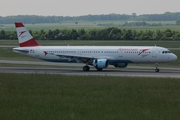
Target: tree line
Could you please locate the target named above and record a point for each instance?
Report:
(168, 16)
(111, 33)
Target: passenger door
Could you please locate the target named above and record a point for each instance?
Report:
(154, 53)
(120, 53)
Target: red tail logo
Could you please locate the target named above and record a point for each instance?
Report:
(21, 33)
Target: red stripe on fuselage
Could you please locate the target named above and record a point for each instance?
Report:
(29, 43)
(18, 24)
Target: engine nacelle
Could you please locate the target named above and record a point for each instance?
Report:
(100, 63)
(121, 65)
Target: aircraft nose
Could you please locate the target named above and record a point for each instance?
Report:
(174, 57)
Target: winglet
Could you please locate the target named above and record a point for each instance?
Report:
(24, 37)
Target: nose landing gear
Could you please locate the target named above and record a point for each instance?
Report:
(156, 66)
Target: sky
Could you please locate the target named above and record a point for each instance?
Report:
(86, 7)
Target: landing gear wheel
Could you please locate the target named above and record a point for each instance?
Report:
(156, 70)
(86, 68)
(99, 69)
(156, 65)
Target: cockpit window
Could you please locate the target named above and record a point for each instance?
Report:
(164, 52)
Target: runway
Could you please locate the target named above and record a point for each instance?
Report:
(105, 72)
(133, 71)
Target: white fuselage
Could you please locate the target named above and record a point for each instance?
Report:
(115, 54)
(98, 56)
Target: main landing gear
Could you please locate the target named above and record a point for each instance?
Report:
(86, 68)
(156, 66)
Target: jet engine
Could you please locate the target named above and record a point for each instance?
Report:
(121, 65)
(99, 64)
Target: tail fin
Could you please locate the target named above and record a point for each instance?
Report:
(24, 37)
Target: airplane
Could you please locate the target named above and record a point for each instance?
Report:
(98, 56)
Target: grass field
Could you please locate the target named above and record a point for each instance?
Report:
(89, 25)
(52, 97)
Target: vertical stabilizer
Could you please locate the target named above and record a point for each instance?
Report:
(24, 37)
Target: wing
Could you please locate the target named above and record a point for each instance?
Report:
(84, 59)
